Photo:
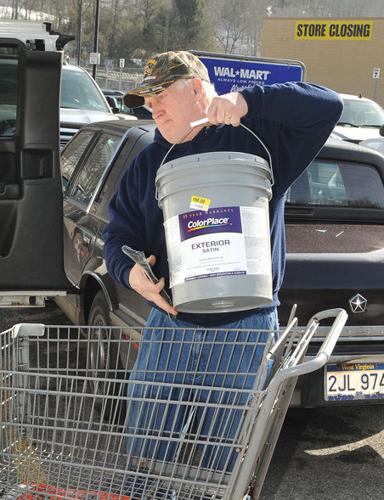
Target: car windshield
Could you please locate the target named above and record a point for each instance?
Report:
(79, 92)
(359, 113)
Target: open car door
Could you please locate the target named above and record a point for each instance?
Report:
(31, 208)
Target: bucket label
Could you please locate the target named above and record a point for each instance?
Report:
(222, 241)
(215, 220)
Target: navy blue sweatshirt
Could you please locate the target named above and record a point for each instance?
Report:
(293, 120)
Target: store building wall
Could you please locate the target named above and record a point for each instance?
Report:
(344, 54)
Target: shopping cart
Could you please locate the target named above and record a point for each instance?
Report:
(67, 426)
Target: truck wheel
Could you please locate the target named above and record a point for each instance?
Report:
(104, 363)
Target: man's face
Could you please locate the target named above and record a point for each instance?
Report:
(175, 108)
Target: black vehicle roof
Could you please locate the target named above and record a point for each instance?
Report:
(344, 150)
(122, 125)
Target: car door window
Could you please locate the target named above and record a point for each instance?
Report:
(332, 183)
(8, 91)
(91, 171)
(135, 141)
(73, 153)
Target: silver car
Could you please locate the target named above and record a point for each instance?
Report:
(82, 102)
(360, 120)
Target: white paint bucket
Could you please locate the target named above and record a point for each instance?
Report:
(216, 219)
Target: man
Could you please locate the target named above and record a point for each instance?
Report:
(293, 120)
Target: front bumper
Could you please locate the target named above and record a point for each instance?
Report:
(356, 344)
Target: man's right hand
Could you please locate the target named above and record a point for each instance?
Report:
(227, 108)
(140, 282)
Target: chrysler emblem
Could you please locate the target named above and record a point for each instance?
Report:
(358, 304)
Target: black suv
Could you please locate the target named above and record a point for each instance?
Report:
(335, 235)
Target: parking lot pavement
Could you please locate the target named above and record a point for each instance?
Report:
(329, 454)
(49, 315)
(322, 454)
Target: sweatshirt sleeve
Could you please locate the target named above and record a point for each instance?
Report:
(124, 228)
(294, 119)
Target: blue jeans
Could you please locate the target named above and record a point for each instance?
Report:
(188, 369)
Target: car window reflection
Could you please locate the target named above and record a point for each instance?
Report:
(72, 154)
(338, 184)
(93, 169)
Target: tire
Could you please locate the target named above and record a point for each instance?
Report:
(103, 362)
(99, 312)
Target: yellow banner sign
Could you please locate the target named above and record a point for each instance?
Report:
(316, 29)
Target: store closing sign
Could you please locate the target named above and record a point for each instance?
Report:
(333, 29)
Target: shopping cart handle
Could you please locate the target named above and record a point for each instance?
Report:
(28, 330)
(333, 336)
(326, 348)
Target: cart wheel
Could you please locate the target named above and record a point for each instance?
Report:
(104, 362)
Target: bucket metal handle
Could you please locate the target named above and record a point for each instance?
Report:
(200, 122)
(165, 157)
(266, 149)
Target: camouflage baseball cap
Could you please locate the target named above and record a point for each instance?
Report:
(161, 71)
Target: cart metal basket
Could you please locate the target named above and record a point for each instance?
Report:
(78, 423)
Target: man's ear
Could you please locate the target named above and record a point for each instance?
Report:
(197, 87)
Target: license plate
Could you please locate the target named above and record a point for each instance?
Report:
(354, 381)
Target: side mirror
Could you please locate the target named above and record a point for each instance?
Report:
(381, 131)
(113, 104)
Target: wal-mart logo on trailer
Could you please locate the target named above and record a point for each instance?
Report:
(229, 75)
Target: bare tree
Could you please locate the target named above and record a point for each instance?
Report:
(15, 9)
(231, 22)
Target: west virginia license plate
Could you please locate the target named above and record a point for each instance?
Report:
(354, 381)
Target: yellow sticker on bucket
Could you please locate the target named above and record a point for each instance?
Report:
(200, 203)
